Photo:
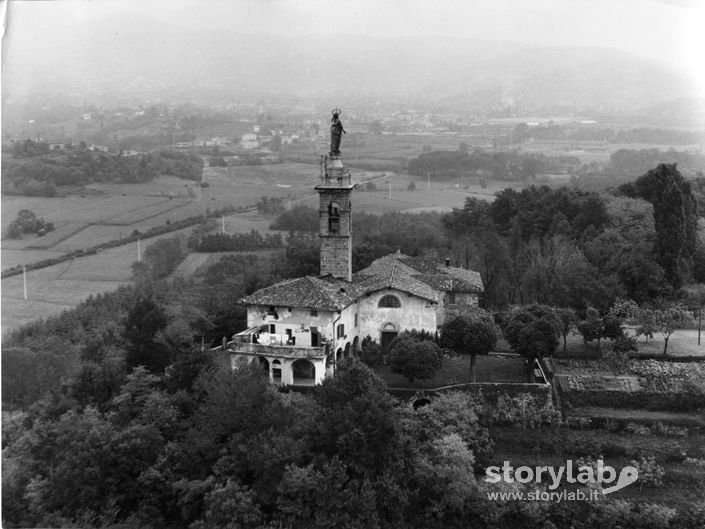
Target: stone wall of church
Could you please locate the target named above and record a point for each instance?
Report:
(463, 303)
(336, 257)
(414, 313)
(336, 246)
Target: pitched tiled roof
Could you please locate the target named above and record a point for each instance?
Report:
(417, 276)
(441, 277)
(390, 272)
(305, 292)
(464, 280)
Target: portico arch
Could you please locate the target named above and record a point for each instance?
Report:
(304, 372)
(263, 363)
(276, 372)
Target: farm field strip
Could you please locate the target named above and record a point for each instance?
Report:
(60, 234)
(198, 262)
(142, 213)
(162, 187)
(55, 209)
(93, 235)
(11, 258)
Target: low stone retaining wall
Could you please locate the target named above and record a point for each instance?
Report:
(487, 392)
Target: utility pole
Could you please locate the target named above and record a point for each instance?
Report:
(428, 175)
(139, 251)
(222, 224)
(390, 191)
(24, 280)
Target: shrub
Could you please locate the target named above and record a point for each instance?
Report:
(414, 359)
(650, 472)
(370, 352)
(526, 411)
(624, 344)
(422, 335)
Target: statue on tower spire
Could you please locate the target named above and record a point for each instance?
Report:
(336, 132)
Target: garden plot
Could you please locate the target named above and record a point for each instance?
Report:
(601, 382)
(635, 384)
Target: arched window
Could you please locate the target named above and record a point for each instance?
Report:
(333, 217)
(389, 302)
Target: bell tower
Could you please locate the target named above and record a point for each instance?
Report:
(335, 213)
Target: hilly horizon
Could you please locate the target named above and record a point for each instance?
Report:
(140, 54)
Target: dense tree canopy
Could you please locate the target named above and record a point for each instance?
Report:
(577, 249)
(41, 172)
(415, 359)
(470, 334)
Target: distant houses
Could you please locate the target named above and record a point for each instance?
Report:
(249, 141)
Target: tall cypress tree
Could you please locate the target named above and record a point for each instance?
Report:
(675, 219)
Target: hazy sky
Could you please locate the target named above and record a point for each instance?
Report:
(667, 30)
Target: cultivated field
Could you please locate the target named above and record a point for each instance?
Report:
(62, 286)
(10, 258)
(196, 263)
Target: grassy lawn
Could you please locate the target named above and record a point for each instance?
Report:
(197, 262)
(456, 370)
(681, 343)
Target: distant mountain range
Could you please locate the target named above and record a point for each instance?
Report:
(136, 53)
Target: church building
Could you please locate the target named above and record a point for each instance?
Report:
(299, 329)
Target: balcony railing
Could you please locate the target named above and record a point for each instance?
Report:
(276, 349)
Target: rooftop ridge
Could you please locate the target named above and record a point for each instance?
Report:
(393, 270)
(323, 287)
